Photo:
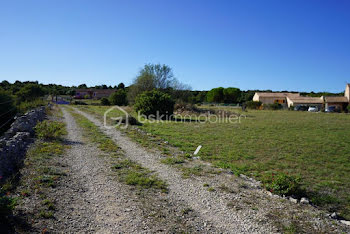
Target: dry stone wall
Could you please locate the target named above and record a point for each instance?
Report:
(15, 141)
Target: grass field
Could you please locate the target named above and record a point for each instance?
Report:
(314, 146)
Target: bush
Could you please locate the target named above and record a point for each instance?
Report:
(118, 98)
(86, 96)
(153, 103)
(348, 108)
(274, 106)
(7, 204)
(79, 103)
(105, 102)
(253, 104)
(50, 130)
(282, 184)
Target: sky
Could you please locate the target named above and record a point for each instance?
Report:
(250, 44)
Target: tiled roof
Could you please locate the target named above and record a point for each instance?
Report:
(336, 99)
(278, 95)
(309, 100)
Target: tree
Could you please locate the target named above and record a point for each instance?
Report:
(82, 86)
(154, 103)
(216, 95)
(105, 102)
(30, 92)
(121, 86)
(118, 98)
(231, 95)
(154, 76)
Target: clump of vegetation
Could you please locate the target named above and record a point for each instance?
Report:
(274, 106)
(282, 184)
(105, 102)
(79, 103)
(7, 204)
(50, 130)
(154, 103)
(192, 171)
(118, 98)
(253, 105)
(172, 161)
(131, 173)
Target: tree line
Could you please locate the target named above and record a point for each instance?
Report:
(155, 81)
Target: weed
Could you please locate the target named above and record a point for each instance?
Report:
(282, 184)
(49, 204)
(224, 188)
(50, 130)
(46, 214)
(211, 189)
(186, 211)
(190, 171)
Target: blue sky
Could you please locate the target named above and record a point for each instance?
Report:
(279, 45)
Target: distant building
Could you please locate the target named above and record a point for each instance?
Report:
(340, 102)
(305, 101)
(271, 98)
(294, 99)
(93, 93)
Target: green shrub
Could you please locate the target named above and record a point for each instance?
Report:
(105, 102)
(153, 103)
(274, 106)
(50, 130)
(7, 204)
(86, 96)
(253, 104)
(282, 184)
(79, 103)
(348, 108)
(118, 98)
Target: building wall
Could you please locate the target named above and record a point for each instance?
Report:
(256, 97)
(347, 92)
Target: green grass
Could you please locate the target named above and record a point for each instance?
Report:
(312, 146)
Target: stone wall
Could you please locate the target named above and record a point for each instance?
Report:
(15, 141)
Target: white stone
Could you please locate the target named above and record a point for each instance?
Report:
(293, 200)
(304, 200)
(345, 222)
(334, 215)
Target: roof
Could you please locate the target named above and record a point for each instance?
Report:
(278, 95)
(336, 99)
(306, 100)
